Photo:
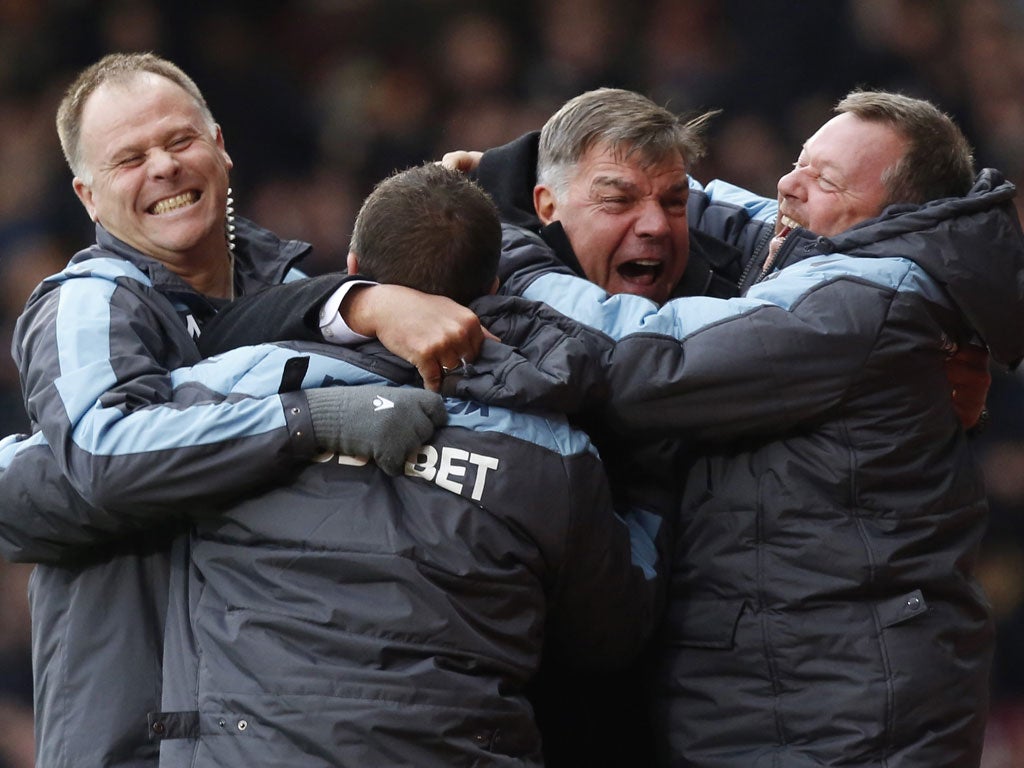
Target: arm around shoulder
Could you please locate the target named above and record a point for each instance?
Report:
(43, 519)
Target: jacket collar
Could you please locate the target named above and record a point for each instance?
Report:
(261, 259)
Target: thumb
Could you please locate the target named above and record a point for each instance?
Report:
(424, 413)
(432, 404)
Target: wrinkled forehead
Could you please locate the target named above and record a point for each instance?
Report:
(629, 159)
(143, 99)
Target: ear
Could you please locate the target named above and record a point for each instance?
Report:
(219, 141)
(544, 203)
(352, 263)
(84, 193)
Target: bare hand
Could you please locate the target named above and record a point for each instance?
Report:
(434, 333)
(462, 160)
(970, 378)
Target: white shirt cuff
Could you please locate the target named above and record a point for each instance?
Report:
(332, 325)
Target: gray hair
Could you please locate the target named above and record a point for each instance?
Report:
(938, 162)
(626, 122)
(119, 68)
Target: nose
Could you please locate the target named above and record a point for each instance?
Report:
(162, 164)
(791, 184)
(652, 220)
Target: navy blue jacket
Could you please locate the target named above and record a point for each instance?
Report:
(350, 618)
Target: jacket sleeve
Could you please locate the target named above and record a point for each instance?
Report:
(712, 368)
(290, 311)
(609, 592)
(785, 355)
(735, 216)
(43, 518)
(730, 213)
(551, 362)
(92, 356)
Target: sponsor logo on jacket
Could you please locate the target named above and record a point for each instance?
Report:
(454, 469)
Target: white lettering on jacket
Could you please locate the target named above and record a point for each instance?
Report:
(446, 467)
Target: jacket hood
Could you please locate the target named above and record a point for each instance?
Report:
(261, 257)
(971, 245)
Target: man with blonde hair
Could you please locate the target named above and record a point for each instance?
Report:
(122, 449)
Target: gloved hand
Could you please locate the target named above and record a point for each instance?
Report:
(385, 424)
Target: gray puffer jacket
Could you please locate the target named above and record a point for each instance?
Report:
(352, 619)
(823, 608)
(95, 347)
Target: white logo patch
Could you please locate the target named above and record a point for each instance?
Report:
(192, 327)
(382, 403)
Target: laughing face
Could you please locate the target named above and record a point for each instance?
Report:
(837, 180)
(157, 171)
(626, 221)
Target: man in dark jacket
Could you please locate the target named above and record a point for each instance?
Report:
(635, 238)
(114, 431)
(823, 607)
(553, 184)
(617, 214)
(348, 618)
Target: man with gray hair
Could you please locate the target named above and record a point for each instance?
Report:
(629, 202)
(823, 605)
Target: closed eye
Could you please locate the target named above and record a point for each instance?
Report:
(183, 142)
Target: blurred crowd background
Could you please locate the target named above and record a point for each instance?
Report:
(319, 99)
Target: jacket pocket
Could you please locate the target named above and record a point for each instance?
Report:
(702, 623)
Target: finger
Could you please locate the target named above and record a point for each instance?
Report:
(461, 160)
(431, 374)
(391, 465)
(968, 405)
(475, 339)
(432, 412)
(456, 161)
(423, 429)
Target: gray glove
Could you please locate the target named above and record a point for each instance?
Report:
(385, 424)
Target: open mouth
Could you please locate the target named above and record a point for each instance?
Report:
(641, 271)
(788, 225)
(785, 225)
(175, 203)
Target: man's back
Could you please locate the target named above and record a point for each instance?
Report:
(352, 618)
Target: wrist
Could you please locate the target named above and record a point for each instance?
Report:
(357, 308)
